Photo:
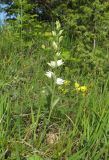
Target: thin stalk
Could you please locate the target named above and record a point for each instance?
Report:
(49, 116)
(51, 104)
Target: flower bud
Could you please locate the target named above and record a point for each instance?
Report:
(54, 45)
(58, 53)
(53, 33)
(60, 38)
(58, 25)
(43, 46)
(60, 32)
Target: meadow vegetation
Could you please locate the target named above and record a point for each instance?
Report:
(54, 86)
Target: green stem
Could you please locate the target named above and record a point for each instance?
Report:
(49, 116)
(51, 104)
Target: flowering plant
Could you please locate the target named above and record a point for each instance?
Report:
(56, 62)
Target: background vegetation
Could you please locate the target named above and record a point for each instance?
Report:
(40, 120)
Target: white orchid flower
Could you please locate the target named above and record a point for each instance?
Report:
(60, 62)
(49, 74)
(54, 64)
(59, 81)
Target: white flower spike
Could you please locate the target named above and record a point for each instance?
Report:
(59, 81)
(49, 74)
(55, 64)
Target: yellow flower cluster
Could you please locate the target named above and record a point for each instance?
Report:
(80, 88)
(65, 88)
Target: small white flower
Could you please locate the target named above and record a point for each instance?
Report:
(59, 81)
(49, 74)
(60, 62)
(54, 64)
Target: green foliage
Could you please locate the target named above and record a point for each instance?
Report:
(87, 25)
(34, 158)
(38, 121)
(25, 28)
(78, 123)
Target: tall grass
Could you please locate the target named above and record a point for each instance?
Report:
(75, 128)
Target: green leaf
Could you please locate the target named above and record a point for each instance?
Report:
(55, 102)
(35, 157)
(66, 55)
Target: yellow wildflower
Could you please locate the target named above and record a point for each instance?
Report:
(77, 85)
(78, 89)
(83, 89)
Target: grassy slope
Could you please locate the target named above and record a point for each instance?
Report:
(79, 125)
